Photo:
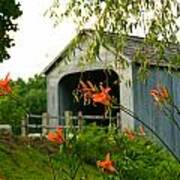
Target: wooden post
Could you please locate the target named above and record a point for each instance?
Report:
(45, 121)
(118, 122)
(80, 119)
(27, 123)
(23, 128)
(68, 122)
(68, 118)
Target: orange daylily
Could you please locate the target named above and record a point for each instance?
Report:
(102, 97)
(4, 86)
(107, 165)
(160, 94)
(91, 93)
(56, 136)
(130, 134)
(87, 89)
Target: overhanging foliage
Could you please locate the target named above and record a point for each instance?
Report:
(157, 21)
(9, 12)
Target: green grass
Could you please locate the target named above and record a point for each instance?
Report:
(21, 159)
(22, 162)
(25, 159)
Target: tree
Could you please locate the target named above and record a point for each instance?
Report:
(35, 98)
(157, 18)
(26, 97)
(9, 12)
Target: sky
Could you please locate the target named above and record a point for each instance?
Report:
(37, 42)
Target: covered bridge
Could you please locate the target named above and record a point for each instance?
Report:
(63, 77)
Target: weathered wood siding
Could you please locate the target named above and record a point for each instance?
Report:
(149, 112)
(57, 93)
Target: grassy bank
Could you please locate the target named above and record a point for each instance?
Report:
(137, 159)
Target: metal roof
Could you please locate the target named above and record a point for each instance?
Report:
(133, 43)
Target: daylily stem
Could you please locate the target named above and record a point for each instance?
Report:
(52, 167)
(131, 113)
(171, 117)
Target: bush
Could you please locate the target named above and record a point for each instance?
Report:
(134, 159)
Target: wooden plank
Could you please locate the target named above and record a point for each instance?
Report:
(148, 111)
(126, 97)
(176, 99)
(68, 119)
(45, 122)
(80, 119)
(93, 117)
(76, 127)
(34, 125)
(34, 116)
